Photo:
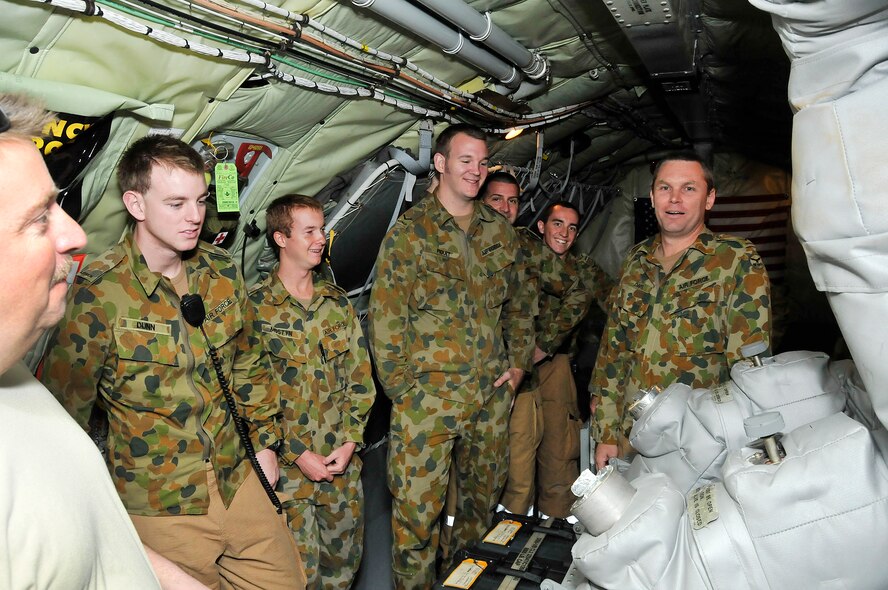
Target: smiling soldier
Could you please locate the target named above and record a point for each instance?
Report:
(447, 296)
(545, 424)
(686, 302)
(320, 359)
(124, 347)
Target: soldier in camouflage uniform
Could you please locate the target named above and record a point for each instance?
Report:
(124, 346)
(446, 297)
(62, 521)
(500, 192)
(686, 302)
(319, 355)
(564, 299)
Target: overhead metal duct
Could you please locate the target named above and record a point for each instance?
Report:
(449, 40)
(664, 34)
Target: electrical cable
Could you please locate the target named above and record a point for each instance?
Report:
(460, 99)
(194, 312)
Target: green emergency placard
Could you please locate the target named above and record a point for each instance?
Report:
(226, 188)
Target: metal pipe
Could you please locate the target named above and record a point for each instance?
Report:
(450, 41)
(480, 28)
(358, 192)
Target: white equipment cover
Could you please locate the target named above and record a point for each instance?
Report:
(687, 433)
(838, 86)
(816, 519)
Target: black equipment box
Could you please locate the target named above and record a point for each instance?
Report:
(552, 550)
(517, 552)
(484, 572)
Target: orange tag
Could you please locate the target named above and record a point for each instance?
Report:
(503, 533)
(465, 574)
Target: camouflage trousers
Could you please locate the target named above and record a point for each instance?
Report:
(525, 433)
(429, 436)
(559, 451)
(329, 529)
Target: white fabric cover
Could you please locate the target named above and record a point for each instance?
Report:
(726, 550)
(819, 516)
(640, 547)
(838, 84)
(817, 519)
(686, 434)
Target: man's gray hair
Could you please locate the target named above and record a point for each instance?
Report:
(27, 116)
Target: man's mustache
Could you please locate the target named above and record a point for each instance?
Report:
(63, 270)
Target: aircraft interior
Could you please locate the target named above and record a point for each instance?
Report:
(341, 100)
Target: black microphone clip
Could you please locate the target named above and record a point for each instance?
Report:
(193, 309)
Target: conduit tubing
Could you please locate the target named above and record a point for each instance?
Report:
(449, 40)
(481, 29)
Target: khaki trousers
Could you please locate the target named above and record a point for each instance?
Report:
(559, 452)
(525, 434)
(245, 547)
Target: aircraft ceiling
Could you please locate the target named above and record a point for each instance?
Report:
(330, 83)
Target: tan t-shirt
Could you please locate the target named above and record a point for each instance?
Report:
(668, 261)
(463, 221)
(180, 282)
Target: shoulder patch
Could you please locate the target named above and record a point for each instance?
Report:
(408, 215)
(263, 284)
(335, 288)
(96, 269)
(756, 261)
(214, 251)
(733, 241)
(526, 232)
(634, 250)
(419, 207)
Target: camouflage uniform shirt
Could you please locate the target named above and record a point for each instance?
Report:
(320, 358)
(124, 342)
(445, 302)
(562, 299)
(597, 282)
(531, 249)
(684, 326)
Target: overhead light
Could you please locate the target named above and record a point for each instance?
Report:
(514, 132)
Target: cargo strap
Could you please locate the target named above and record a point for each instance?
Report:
(525, 557)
